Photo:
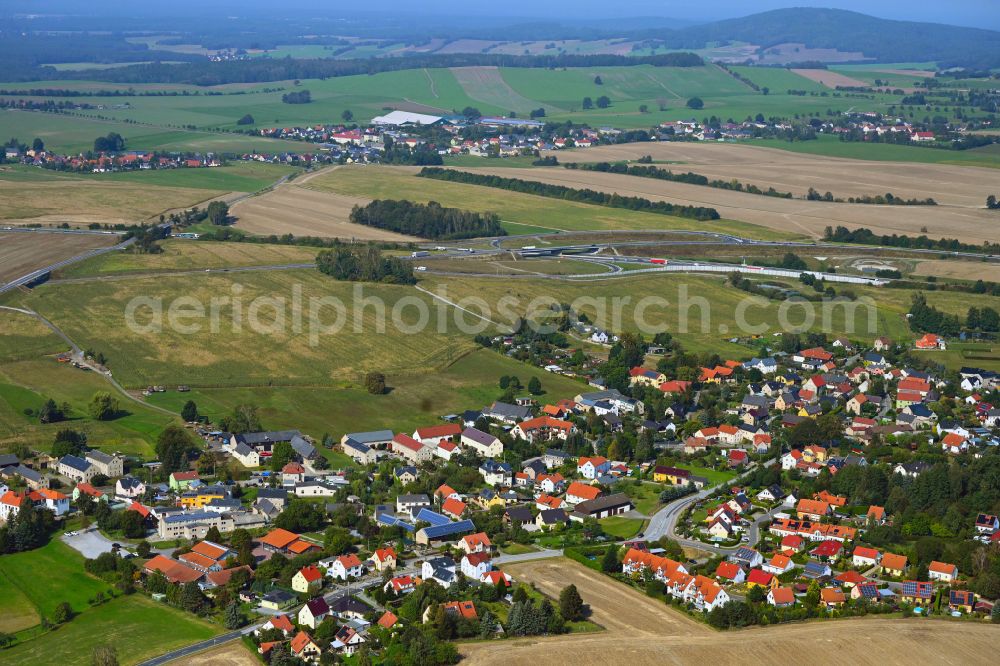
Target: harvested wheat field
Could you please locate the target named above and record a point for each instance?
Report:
(830, 79)
(291, 208)
(23, 252)
(789, 215)
(962, 270)
(234, 653)
(786, 171)
(642, 631)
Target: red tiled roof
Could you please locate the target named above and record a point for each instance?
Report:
(279, 538)
(578, 489)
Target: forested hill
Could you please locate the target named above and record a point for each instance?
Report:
(881, 39)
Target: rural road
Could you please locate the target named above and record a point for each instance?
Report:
(664, 521)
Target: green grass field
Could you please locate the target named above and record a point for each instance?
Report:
(23, 337)
(75, 134)
(260, 347)
(514, 207)
(416, 399)
(138, 627)
(715, 477)
(49, 576)
(27, 384)
(646, 496)
(621, 527)
(183, 255)
(165, 118)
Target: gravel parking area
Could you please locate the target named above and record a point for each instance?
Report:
(91, 543)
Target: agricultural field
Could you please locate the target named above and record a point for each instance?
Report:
(187, 255)
(961, 270)
(708, 329)
(751, 163)
(72, 134)
(24, 337)
(416, 399)
(363, 184)
(299, 209)
(268, 345)
(829, 146)
(37, 196)
(972, 225)
(22, 252)
(641, 631)
(165, 121)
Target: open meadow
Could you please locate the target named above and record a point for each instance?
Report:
(416, 399)
(37, 196)
(72, 134)
(187, 255)
(972, 225)
(785, 171)
(644, 631)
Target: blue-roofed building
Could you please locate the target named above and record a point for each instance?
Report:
(814, 570)
(77, 469)
(447, 532)
(193, 524)
(390, 520)
(425, 515)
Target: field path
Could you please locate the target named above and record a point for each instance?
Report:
(487, 85)
(430, 80)
(641, 631)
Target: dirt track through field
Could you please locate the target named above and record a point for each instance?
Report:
(486, 84)
(641, 631)
(797, 216)
(292, 208)
(796, 172)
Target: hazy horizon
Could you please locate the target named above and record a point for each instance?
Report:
(970, 13)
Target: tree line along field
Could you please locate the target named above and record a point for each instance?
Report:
(28, 194)
(513, 207)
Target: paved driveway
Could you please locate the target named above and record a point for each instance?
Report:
(91, 543)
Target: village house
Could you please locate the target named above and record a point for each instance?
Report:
(307, 580)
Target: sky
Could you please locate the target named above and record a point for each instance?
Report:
(975, 13)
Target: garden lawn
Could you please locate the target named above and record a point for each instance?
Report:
(715, 477)
(138, 627)
(16, 610)
(621, 527)
(645, 496)
(49, 576)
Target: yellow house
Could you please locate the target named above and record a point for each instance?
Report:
(198, 499)
(672, 475)
(813, 453)
(307, 579)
